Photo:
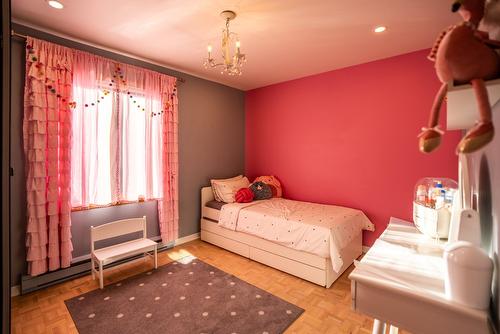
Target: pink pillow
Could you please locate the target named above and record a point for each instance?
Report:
(216, 185)
(227, 190)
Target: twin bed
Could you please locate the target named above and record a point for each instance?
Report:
(312, 241)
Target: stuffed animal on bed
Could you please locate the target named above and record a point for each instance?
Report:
(244, 195)
(261, 190)
(273, 182)
(463, 54)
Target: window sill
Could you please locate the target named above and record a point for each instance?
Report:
(94, 206)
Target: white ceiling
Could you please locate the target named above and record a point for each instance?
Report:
(283, 39)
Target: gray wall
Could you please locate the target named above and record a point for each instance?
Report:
(211, 144)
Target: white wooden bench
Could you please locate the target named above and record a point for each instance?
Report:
(122, 250)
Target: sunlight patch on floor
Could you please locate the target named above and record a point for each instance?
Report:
(182, 256)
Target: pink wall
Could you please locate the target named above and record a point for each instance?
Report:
(349, 137)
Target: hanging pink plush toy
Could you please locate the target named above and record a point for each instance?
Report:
(463, 54)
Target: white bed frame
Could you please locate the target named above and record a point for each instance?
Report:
(307, 266)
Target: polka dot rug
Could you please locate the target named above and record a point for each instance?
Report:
(187, 296)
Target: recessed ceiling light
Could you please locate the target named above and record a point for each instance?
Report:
(55, 4)
(380, 29)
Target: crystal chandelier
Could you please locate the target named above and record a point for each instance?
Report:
(232, 57)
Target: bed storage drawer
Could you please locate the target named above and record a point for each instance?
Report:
(290, 253)
(231, 245)
(256, 242)
(295, 268)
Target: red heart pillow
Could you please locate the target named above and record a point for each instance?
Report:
(244, 195)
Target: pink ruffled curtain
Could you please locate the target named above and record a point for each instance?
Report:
(168, 211)
(47, 146)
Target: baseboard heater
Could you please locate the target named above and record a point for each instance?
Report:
(78, 269)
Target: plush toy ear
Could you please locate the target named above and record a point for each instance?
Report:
(456, 6)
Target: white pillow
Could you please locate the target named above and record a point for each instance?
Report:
(213, 182)
(227, 190)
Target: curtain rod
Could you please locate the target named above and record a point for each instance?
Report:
(15, 34)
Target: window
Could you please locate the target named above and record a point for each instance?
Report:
(116, 146)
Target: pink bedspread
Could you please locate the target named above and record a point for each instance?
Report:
(320, 229)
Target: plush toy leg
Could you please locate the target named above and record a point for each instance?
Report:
(430, 137)
(482, 133)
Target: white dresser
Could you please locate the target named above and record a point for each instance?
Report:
(400, 282)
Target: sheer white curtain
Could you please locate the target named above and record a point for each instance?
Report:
(117, 132)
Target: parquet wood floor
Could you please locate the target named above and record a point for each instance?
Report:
(326, 310)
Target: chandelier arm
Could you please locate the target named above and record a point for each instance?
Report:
(214, 64)
(231, 64)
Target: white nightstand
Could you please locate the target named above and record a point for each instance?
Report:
(400, 281)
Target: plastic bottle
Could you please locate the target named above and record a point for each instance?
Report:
(434, 192)
(422, 194)
(436, 195)
(430, 197)
(440, 199)
(448, 198)
(439, 186)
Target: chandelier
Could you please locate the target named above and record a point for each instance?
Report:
(232, 58)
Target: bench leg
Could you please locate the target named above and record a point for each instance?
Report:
(101, 276)
(378, 327)
(156, 257)
(93, 267)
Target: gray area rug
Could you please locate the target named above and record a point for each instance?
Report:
(187, 296)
